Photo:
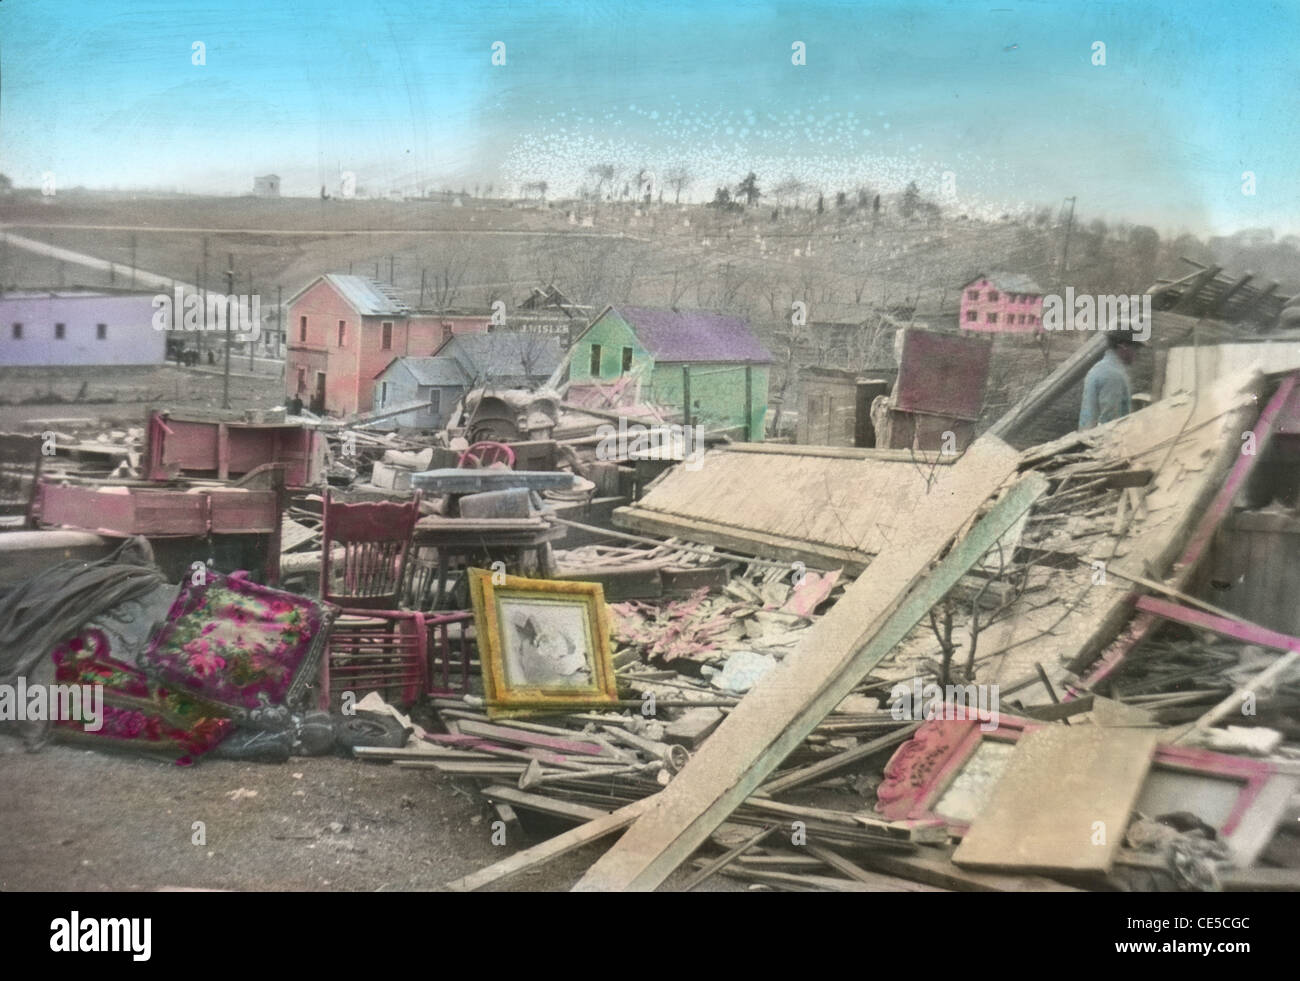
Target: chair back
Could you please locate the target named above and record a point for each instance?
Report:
(375, 540)
(485, 454)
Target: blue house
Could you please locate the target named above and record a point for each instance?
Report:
(440, 381)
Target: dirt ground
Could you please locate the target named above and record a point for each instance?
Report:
(85, 821)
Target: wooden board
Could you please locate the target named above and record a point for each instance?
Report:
(552, 848)
(790, 504)
(1063, 803)
(780, 712)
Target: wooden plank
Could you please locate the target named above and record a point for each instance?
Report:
(539, 854)
(824, 768)
(841, 864)
(876, 613)
(1235, 628)
(543, 804)
(1063, 803)
(804, 882)
(823, 557)
(935, 868)
(722, 861)
(520, 737)
(924, 457)
(1060, 381)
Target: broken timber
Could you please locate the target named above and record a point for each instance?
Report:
(890, 598)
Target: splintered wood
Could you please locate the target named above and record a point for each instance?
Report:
(1063, 803)
(790, 700)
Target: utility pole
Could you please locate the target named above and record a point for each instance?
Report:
(279, 326)
(230, 290)
(1069, 226)
(390, 271)
(203, 294)
(133, 260)
(252, 334)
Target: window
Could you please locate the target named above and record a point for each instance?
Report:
(383, 394)
(627, 359)
(101, 332)
(435, 401)
(991, 318)
(386, 341)
(18, 332)
(972, 315)
(302, 330)
(993, 294)
(302, 380)
(972, 294)
(59, 331)
(595, 360)
(1022, 319)
(343, 332)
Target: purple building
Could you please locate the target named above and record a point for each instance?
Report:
(79, 326)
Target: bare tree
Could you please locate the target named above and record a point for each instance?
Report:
(679, 179)
(604, 174)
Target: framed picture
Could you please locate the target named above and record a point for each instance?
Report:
(543, 643)
(947, 770)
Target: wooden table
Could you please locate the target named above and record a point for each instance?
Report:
(510, 538)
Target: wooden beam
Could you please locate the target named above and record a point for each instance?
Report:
(814, 555)
(722, 861)
(822, 769)
(1235, 628)
(841, 864)
(877, 612)
(935, 868)
(1228, 294)
(1067, 373)
(1187, 302)
(539, 854)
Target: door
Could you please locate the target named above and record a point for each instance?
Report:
(318, 396)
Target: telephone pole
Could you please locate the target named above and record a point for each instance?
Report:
(1069, 226)
(230, 290)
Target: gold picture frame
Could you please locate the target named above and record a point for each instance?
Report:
(543, 643)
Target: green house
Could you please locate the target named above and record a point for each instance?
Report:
(712, 357)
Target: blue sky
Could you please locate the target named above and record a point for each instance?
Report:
(1002, 95)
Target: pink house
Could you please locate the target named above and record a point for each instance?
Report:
(1002, 302)
(343, 330)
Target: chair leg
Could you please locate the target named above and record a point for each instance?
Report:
(324, 699)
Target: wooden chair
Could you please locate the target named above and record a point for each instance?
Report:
(376, 539)
(373, 646)
(485, 454)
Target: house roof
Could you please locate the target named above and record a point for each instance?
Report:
(1009, 282)
(445, 372)
(503, 354)
(693, 335)
(367, 296)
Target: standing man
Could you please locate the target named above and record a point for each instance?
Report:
(1106, 392)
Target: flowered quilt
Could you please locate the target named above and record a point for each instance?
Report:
(136, 714)
(240, 646)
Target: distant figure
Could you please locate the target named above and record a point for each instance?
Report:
(1106, 392)
(212, 358)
